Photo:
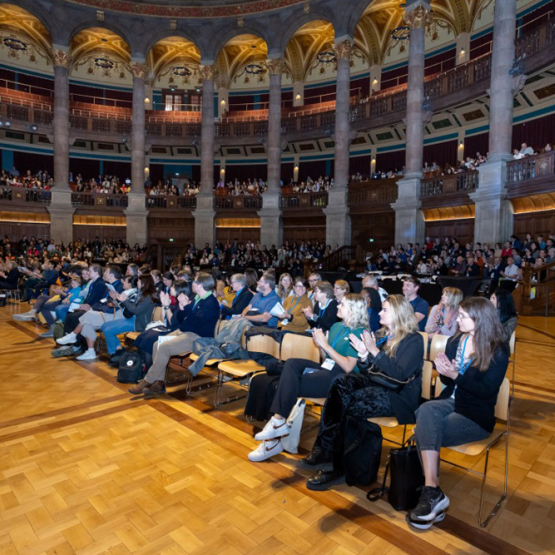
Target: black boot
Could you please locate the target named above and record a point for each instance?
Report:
(318, 458)
(324, 479)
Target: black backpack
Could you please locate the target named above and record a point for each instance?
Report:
(131, 367)
(361, 453)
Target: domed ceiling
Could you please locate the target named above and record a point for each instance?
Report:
(189, 8)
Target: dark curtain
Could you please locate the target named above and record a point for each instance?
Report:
(314, 169)
(156, 173)
(394, 77)
(24, 161)
(120, 169)
(394, 160)
(244, 172)
(440, 63)
(535, 133)
(87, 168)
(476, 143)
(287, 172)
(480, 46)
(442, 153)
(360, 164)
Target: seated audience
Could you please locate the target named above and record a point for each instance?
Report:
(305, 378)
(324, 314)
(443, 316)
(241, 298)
(285, 287)
(258, 311)
(397, 350)
(340, 289)
(503, 301)
(294, 319)
(472, 370)
(374, 303)
(411, 285)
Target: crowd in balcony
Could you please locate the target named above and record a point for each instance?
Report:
(40, 180)
(103, 184)
(525, 150)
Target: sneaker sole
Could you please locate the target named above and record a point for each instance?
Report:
(324, 487)
(442, 506)
(425, 525)
(266, 458)
(257, 437)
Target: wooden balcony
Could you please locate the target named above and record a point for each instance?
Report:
(101, 201)
(375, 195)
(532, 175)
(21, 196)
(448, 190)
(238, 203)
(304, 201)
(171, 202)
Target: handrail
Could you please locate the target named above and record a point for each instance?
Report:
(535, 289)
(530, 167)
(452, 183)
(106, 200)
(25, 195)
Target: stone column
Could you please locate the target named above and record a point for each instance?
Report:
(338, 221)
(136, 213)
(205, 231)
(61, 210)
(494, 218)
(409, 220)
(271, 225)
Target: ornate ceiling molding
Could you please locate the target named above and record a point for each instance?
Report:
(158, 9)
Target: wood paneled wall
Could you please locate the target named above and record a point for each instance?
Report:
(89, 232)
(304, 229)
(16, 230)
(463, 230)
(536, 223)
(379, 227)
(178, 228)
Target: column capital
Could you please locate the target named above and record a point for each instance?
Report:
(275, 66)
(208, 72)
(60, 58)
(139, 70)
(418, 15)
(343, 49)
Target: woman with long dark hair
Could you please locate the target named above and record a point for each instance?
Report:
(472, 370)
(503, 301)
(137, 313)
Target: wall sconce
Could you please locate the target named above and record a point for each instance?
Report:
(147, 169)
(298, 97)
(147, 100)
(375, 81)
(462, 51)
(222, 102)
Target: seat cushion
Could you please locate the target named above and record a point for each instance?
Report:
(385, 421)
(240, 367)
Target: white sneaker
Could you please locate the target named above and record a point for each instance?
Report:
(273, 429)
(266, 450)
(68, 339)
(89, 354)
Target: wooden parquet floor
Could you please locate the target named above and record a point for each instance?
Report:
(87, 469)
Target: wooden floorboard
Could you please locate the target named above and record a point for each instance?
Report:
(87, 469)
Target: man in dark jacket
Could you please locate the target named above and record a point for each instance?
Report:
(243, 297)
(197, 318)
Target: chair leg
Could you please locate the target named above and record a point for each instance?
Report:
(513, 380)
(484, 523)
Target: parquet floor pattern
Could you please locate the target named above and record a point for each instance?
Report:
(86, 469)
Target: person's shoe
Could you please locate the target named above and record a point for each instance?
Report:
(140, 388)
(425, 524)
(68, 339)
(324, 479)
(25, 316)
(432, 502)
(318, 458)
(89, 354)
(274, 428)
(49, 334)
(117, 355)
(266, 450)
(155, 389)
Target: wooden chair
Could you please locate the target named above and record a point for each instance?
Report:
(238, 369)
(391, 421)
(425, 339)
(502, 414)
(130, 336)
(299, 346)
(437, 345)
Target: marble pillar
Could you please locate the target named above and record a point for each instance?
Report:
(136, 212)
(409, 221)
(205, 230)
(271, 225)
(494, 219)
(338, 221)
(61, 209)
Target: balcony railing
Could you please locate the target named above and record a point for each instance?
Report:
(304, 200)
(102, 200)
(531, 167)
(22, 195)
(238, 203)
(449, 184)
(171, 202)
(379, 191)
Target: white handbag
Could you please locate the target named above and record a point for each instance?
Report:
(294, 424)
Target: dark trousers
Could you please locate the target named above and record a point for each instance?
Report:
(293, 384)
(349, 395)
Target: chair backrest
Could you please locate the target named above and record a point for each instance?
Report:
(503, 398)
(427, 370)
(157, 314)
(438, 344)
(438, 387)
(512, 343)
(425, 338)
(299, 346)
(263, 344)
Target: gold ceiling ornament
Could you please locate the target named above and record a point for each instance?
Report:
(104, 63)
(183, 72)
(254, 70)
(418, 18)
(207, 72)
(60, 58)
(343, 50)
(139, 70)
(21, 45)
(275, 66)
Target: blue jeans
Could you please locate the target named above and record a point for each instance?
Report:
(438, 425)
(112, 329)
(62, 311)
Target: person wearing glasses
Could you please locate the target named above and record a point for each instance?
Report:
(293, 318)
(313, 279)
(242, 298)
(471, 370)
